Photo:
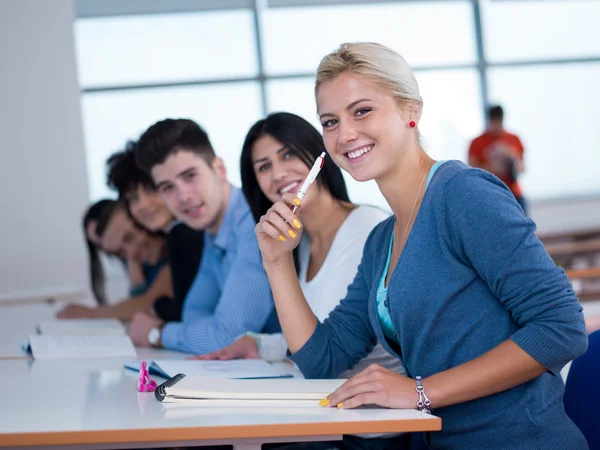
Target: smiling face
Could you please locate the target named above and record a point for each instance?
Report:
(123, 238)
(149, 208)
(365, 131)
(195, 191)
(278, 169)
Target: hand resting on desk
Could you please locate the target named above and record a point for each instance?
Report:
(242, 348)
(141, 324)
(375, 385)
(73, 311)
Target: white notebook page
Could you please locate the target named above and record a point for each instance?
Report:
(61, 347)
(83, 327)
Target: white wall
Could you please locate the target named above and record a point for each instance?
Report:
(43, 183)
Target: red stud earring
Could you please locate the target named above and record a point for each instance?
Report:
(412, 124)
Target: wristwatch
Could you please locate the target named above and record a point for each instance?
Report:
(154, 336)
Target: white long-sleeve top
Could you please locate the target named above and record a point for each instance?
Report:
(325, 290)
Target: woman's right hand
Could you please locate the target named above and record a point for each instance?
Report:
(279, 230)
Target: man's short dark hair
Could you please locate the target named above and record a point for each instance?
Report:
(496, 113)
(169, 136)
(123, 173)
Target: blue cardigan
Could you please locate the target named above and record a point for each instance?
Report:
(472, 274)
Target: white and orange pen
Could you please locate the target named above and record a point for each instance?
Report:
(312, 175)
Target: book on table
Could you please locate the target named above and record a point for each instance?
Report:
(82, 327)
(80, 338)
(204, 391)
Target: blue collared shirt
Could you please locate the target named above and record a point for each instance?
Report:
(230, 294)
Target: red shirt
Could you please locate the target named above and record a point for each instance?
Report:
(488, 152)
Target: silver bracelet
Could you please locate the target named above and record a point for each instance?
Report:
(423, 404)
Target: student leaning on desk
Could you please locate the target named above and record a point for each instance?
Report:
(455, 284)
(109, 228)
(230, 294)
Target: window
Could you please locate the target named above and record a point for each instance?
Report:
(225, 110)
(136, 68)
(540, 29)
(428, 33)
(138, 50)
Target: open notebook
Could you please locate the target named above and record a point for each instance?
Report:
(64, 347)
(82, 327)
(237, 368)
(80, 338)
(203, 391)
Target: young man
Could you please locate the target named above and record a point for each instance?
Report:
(148, 208)
(230, 294)
(500, 153)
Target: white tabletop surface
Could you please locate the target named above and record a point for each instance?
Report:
(95, 401)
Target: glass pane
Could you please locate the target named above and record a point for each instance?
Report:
(427, 33)
(540, 29)
(226, 111)
(165, 48)
(552, 109)
(451, 116)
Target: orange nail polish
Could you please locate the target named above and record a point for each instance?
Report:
(324, 402)
(292, 234)
(282, 238)
(297, 223)
(297, 201)
(339, 405)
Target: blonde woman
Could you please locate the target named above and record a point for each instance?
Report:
(455, 284)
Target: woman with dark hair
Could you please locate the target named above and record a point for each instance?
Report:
(277, 155)
(95, 213)
(108, 227)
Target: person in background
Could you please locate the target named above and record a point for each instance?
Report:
(500, 153)
(97, 210)
(119, 235)
(277, 155)
(455, 284)
(230, 294)
(148, 209)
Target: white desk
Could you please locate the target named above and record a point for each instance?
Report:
(94, 404)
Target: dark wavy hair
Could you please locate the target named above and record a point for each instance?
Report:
(123, 174)
(97, 212)
(297, 134)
